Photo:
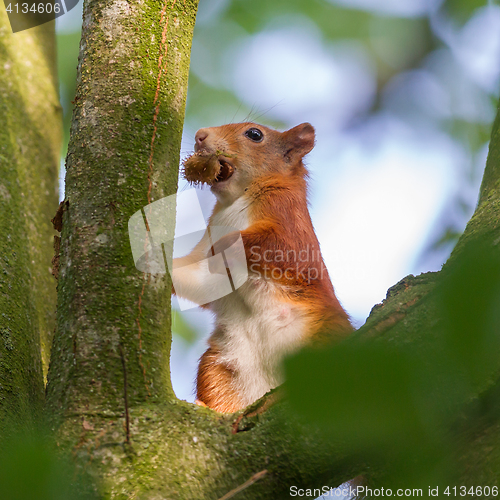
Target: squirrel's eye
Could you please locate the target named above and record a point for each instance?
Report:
(254, 134)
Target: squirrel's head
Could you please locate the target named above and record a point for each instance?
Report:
(230, 157)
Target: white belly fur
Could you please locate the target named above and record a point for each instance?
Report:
(259, 327)
(235, 215)
(192, 279)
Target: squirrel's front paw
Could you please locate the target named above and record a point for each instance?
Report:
(222, 253)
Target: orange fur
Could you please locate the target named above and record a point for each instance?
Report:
(214, 383)
(280, 243)
(283, 226)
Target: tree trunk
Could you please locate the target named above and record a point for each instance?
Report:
(30, 142)
(113, 322)
(124, 154)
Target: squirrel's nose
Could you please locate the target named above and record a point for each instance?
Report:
(200, 136)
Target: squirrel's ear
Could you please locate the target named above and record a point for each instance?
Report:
(298, 141)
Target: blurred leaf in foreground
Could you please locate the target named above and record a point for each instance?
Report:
(365, 395)
(30, 469)
(470, 296)
(401, 401)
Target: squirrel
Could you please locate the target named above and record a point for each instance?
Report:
(260, 182)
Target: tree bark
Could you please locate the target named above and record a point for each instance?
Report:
(113, 322)
(30, 142)
(123, 154)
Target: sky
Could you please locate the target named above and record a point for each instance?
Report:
(380, 188)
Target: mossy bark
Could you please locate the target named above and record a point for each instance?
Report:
(124, 154)
(412, 315)
(30, 141)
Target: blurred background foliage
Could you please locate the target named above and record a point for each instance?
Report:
(413, 407)
(402, 94)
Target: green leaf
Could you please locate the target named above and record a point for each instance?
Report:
(30, 468)
(335, 22)
(470, 300)
(462, 10)
(182, 328)
(68, 46)
(363, 395)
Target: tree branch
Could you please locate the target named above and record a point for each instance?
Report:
(123, 154)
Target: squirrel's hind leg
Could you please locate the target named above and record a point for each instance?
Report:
(214, 384)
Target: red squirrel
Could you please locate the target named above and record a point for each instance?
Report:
(260, 182)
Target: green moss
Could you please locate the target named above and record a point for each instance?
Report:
(179, 450)
(29, 147)
(401, 299)
(123, 154)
